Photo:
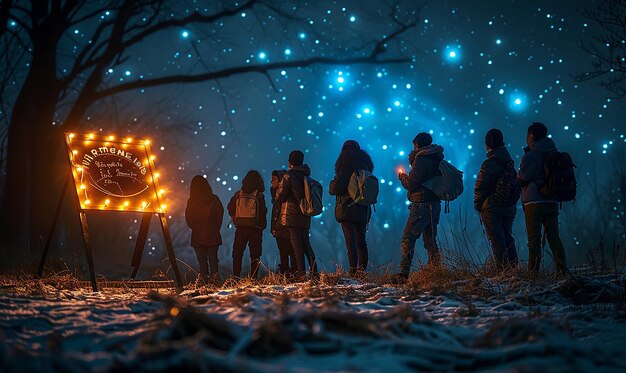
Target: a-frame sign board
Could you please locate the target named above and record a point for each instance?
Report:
(116, 176)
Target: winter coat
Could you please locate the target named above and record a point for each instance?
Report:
(531, 175)
(345, 208)
(278, 230)
(232, 207)
(493, 167)
(424, 167)
(290, 192)
(205, 220)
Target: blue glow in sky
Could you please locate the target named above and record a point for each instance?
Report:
(517, 101)
(452, 53)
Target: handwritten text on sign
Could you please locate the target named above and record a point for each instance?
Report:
(114, 174)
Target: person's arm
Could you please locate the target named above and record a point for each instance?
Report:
(232, 205)
(283, 189)
(484, 186)
(219, 213)
(189, 215)
(263, 212)
(339, 185)
(414, 179)
(527, 170)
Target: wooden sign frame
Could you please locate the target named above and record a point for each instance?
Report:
(135, 190)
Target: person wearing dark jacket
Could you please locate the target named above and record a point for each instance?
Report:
(496, 210)
(425, 206)
(353, 217)
(539, 210)
(204, 214)
(251, 232)
(280, 232)
(290, 192)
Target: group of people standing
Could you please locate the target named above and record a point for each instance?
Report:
(496, 194)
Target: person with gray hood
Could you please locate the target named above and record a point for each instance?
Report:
(539, 210)
(495, 198)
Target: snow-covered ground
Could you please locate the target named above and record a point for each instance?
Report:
(344, 324)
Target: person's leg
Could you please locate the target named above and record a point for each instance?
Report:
(349, 230)
(409, 236)
(361, 245)
(551, 225)
(292, 257)
(256, 249)
(430, 215)
(533, 230)
(201, 254)
(310, 254)
(213, 262)
(511, 252)
(494, 228)
(239, 246)
(295, 236)
(284, 256)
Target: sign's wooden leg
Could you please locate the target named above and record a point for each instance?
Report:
(85, 229)
(141, 243)
(170, 250)
(54, 224)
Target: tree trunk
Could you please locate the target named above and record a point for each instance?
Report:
(31, 156)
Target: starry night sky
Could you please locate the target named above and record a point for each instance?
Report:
(477, 65)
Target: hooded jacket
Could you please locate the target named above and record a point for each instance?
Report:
(425, 166)
(531, 175)
(204, 214)
(290, 192)
(490, 171)
(277, 229)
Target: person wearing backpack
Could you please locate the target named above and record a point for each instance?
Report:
(280, 232)
(248, 212)
(539, 209)
(290, 194)
(352, 216)
(495, 198)
(425, 206)
(204, 214)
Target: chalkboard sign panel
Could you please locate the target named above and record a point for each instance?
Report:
(114, 174)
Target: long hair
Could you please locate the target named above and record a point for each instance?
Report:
(253, 181)
(200, 189)
(352, 158)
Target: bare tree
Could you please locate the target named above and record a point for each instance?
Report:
(608, 48)
(54, 89)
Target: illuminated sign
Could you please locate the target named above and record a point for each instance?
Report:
(113, 174)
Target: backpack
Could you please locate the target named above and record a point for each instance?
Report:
(363, 188)
(560, 182)
(247, 210)
(506, 191)
(311, 204)
(447, 186)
